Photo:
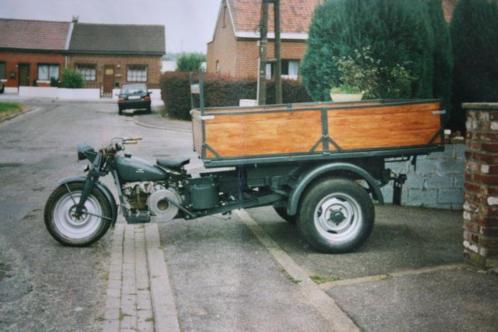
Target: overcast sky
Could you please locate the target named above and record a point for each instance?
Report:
(189, 23)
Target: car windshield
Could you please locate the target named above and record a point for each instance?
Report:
(133, 89)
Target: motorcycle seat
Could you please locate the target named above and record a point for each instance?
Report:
(172, 162)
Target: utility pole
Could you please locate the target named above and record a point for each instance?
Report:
(278, 60)
(263, 43)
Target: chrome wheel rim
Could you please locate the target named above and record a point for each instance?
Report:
(68, 224)
(338, 217)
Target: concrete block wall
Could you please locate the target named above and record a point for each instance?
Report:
(436, 182)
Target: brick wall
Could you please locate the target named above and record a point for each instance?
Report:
(437, 181)
(12, 59)
(239, 57)
(153, 64)
(222, 50)
(248, 55)
(481, 185)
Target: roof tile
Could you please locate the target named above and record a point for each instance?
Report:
(30, 34)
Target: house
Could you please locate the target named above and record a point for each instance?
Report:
(233, 50)
(32, 53)
(109, 55)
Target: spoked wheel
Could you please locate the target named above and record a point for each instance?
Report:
(68, 228)
(336, 216)
(282, 212)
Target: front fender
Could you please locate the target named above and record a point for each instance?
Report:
(311, 175)
(99, 186)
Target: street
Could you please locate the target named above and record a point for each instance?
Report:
(248, 271)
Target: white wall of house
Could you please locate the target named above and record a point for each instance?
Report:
(59, 93)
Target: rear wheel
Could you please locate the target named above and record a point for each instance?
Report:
(282, 212)
(120, 111)
(70, 230)
(336, 216)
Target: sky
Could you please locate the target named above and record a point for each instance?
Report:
(189, 23)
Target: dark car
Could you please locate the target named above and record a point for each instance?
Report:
(134, 96)
(2, 87)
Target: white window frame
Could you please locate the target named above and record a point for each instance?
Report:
(88, 71)
(134, 74)
(52, 70)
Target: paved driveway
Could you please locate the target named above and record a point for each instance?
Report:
(250, 271)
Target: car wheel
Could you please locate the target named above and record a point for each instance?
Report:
(336, 216)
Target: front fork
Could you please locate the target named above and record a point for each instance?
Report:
(91, 179)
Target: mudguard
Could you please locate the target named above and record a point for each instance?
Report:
(99, 186)
(308, 177)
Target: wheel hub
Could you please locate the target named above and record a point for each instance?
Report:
(337, 217)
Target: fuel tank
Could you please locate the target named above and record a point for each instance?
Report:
(134, 170)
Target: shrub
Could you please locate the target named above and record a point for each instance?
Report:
(188, 62)
(474, 33)
(391, 42)
(72, 79)
(220, 91)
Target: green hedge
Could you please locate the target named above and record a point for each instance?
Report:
(220, 91)
(474, 32)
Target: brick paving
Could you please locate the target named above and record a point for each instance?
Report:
(139, 296)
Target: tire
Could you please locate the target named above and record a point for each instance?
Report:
(148, 110)
(348, 203)
(120, 111)
(282, 212)
(66, 229)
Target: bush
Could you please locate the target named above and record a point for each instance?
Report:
(392, 42)
(474, 33)
(72, 79)
(220, 91)
(188, 62)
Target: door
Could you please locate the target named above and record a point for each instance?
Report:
(23, 74)
(108, 79)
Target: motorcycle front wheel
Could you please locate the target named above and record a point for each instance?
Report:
(61, 220)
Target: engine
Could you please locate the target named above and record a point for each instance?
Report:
(154, 198)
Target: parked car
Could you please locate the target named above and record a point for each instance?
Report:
(2, 87)
(134, 96)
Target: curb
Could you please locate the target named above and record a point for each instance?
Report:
(311, 292)
(22, 112)
(145, 125)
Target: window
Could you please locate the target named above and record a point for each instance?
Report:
(137, 73)
(46, 72)
(89, 72)
(290, 69)
(2, 71)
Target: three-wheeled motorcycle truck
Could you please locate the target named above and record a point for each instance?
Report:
(320, 165)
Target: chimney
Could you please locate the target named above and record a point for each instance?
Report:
(75, 19)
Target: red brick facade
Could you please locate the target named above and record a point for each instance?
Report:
(121, 65)
(12, 60)
(481, 185)
(238, 57)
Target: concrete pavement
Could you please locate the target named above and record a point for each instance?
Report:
(216, 272)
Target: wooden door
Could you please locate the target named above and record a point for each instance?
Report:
(108, 79)
(24, 74)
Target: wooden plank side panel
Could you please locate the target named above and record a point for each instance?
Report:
(385, 127)
(263, 133)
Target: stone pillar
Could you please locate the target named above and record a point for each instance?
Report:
(481, 185)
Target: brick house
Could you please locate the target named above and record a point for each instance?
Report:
(110, 55)
(233, 50)
(32, 52)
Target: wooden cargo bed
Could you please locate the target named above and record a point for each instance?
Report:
(312, 131)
